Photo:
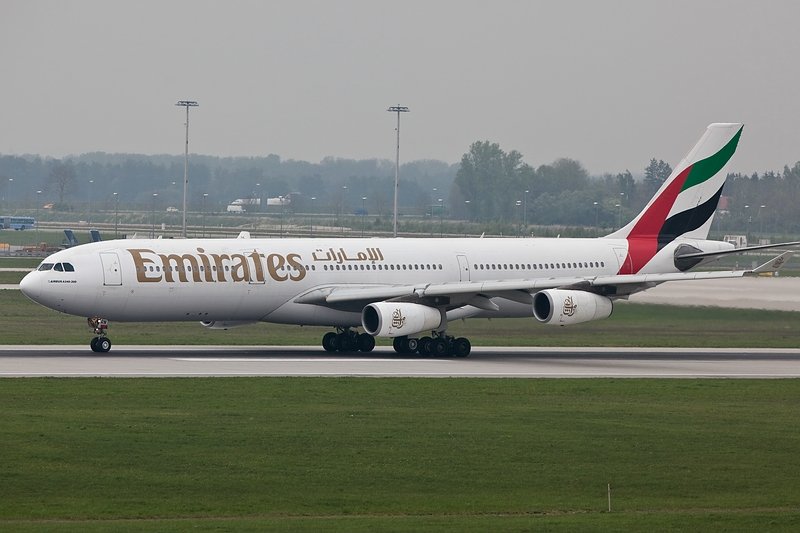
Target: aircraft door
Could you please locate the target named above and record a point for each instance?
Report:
(112, 274)
(463, 268)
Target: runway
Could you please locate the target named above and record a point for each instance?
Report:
(218, 361)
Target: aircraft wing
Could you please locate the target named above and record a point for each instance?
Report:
(478, 293)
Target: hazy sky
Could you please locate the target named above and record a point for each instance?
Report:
(608, 83)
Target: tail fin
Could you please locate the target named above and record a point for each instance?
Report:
(71, 240)
(685, 204)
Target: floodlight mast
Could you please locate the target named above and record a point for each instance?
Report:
(397, 109)
(187, 104)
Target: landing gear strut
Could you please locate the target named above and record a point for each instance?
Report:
(100, 343)
(437, 345)
(346, 340)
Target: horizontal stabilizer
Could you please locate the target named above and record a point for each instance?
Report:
(774, 264)
(701, 255)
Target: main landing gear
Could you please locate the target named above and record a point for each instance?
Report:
(100, 343)
(347, 340)
(437, 345)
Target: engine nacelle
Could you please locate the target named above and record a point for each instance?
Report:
(226, 324)
(563, 307)
(387, 319)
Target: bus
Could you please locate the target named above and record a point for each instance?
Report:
(17, 223)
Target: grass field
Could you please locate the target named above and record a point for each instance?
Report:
(398, 454)
(24, 322)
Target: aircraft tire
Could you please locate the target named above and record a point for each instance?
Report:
(93, 344)
(103, 344)
(366, 343)
(330, 342)
(461, 347)
(439, 348)
(425, 346)
(412, 345)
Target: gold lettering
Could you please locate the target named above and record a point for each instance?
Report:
(220, 266)
(256, 257)
(274, 263)
(240, 270)
(141, 265)
(294, 261)
(182, 264)
(206, 265)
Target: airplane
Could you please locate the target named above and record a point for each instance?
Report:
(407, 289)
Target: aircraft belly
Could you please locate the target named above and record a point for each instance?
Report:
(179, 302)
(312, 315)
(508, 309)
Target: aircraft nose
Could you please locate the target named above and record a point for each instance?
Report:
(31, 286)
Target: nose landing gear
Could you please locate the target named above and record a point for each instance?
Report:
(100, 343)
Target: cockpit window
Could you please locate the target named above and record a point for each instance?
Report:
(58, 268)
(68, 267)
(45, 266)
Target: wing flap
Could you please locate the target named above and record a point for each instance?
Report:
(520, 290)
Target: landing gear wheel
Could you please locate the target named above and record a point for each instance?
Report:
(366, 342)
(330, 342)
(412, 345)
(405, 346)
(425, 346)
(398, 343)
(100, 344)
(461, 347)
(104, 344)
(439, 347)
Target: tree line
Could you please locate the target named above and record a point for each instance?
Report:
(488, 185)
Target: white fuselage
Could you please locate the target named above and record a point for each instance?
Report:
(266, 279)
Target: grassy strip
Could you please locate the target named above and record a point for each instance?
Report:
(20, 262)
(398, 454)
(23, 322)
(12, 277)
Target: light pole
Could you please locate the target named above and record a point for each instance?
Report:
(116, 215)
(518, 204)
(749, 219)
(525, 209)
(38, 206)
(313, 198)
(10, 183)
(619, 215)
(341, 220)
(187, 104)
(89, 211)
(205, 195)
(441, 217)
(596, 207)
(363, 213)
(397, 109)
(153, 216)
(760, 222)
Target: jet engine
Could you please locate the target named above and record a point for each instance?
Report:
(226, 324)
(561, 307)
(396, 319)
